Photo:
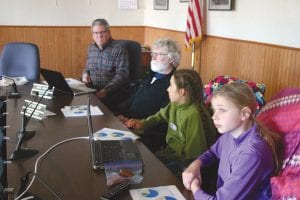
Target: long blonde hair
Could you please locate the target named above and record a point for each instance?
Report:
(241, 95)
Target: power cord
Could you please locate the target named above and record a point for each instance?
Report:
(36, 167)
(24, 181)
(47, 186)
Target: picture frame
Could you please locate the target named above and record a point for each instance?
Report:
(182, 1)
(220, 5)
(160, 4)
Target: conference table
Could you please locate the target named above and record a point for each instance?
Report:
(67, 169)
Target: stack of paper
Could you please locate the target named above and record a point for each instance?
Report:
(163, 192)
(113, 134)
(80, 111)
(9, 80)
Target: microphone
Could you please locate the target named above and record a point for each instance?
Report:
(19, 152)
(15, 94)
(28, 133)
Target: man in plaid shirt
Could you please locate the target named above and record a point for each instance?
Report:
(107, 67)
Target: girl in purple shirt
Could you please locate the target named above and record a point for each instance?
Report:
(245, 151)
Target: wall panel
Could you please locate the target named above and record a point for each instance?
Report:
(277, 67)
(64, 49)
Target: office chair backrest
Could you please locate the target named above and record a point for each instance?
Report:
(134, 53)
(20, 59)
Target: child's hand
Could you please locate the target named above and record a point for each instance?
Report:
(123, 119)
(195, 185)
(134, 123)
(191, 173)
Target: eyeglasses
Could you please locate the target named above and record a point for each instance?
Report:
(153, 54)
(100, 33)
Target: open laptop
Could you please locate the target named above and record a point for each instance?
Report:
(57, 80)
(110, 151)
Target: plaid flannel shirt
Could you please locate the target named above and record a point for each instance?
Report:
(109, 67)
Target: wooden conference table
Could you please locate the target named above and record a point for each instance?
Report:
(67, 169)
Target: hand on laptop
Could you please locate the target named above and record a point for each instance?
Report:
(86, 78)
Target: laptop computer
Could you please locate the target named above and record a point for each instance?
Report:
(110, 151)
(57, 80)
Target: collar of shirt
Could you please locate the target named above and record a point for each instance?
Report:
(158, 76)
(251, 130)
(104, 46)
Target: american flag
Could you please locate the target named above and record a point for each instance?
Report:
(193, 23)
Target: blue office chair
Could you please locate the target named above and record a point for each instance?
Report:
(20, 59)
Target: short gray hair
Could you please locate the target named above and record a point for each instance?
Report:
(171, 48)
(101, 22)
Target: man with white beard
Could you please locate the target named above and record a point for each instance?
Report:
(152, 93)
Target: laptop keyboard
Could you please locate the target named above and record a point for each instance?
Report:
(111, 151)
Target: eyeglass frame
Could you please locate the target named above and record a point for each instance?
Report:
(100, 32)
(153, 54)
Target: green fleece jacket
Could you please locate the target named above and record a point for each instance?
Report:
(185, 134)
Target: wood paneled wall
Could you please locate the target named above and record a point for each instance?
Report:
(275, 66)
(64, 49)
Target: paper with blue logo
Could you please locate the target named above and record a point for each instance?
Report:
(80, 111)
(114, 134)
(169, 192)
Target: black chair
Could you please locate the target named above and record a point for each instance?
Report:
(134, 53)
(20, 59)
(135, 60)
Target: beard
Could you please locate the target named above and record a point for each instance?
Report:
(159, 67)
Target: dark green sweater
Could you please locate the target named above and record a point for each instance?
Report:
(185, 135)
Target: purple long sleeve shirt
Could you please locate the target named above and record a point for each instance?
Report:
(245, 168)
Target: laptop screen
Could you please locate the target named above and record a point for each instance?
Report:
(91, 131)
(57, 80)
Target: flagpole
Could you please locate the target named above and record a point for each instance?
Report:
(200, 57)
(193, 55)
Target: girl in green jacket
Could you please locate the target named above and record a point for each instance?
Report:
(186, 137)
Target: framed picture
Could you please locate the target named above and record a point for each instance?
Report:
(160, 4)
(184, 0)
(219, 5)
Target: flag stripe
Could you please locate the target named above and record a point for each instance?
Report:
(193, 23)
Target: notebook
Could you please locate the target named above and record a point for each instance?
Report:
(57, 80)
(110, 151)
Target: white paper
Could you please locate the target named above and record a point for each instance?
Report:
(48, 113)
(18, 80)
(114, 134)
(156, 193)
(72, 81)
(80, 111)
